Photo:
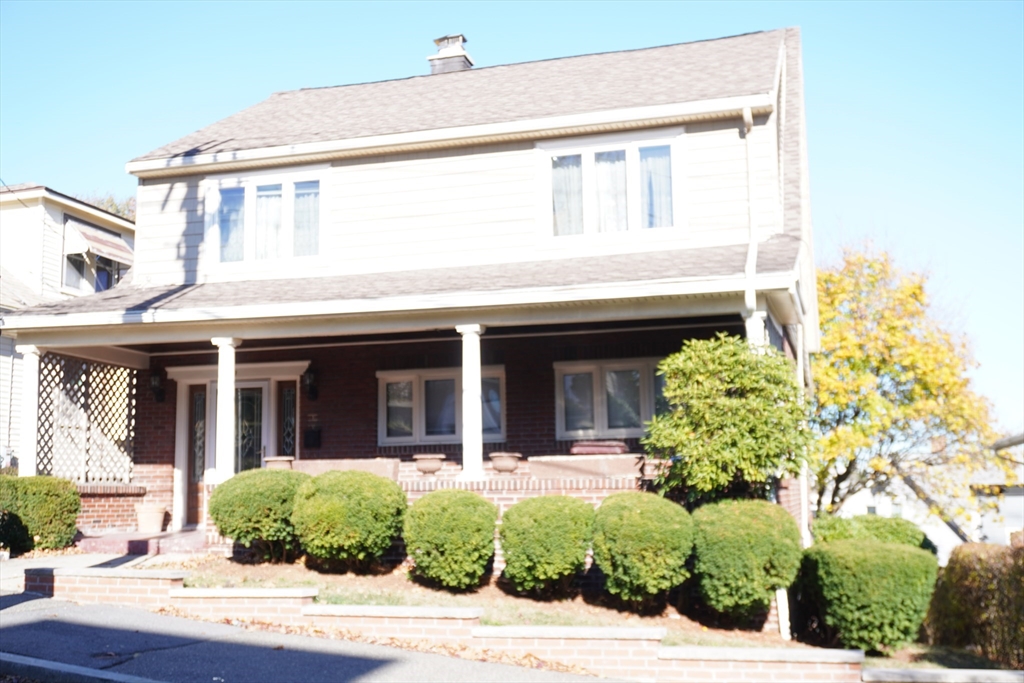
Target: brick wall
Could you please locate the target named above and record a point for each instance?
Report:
(108, 507)
(346, 407)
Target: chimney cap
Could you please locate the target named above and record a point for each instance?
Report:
(451, 55)
(450, 39)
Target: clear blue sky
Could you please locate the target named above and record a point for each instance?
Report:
(916, 110)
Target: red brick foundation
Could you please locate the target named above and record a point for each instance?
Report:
(108, 507)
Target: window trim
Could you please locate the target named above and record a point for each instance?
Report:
(419, 408)
(598, 370)
(587, 147)
(249, 182)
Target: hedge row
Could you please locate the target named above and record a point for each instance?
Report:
(871, 527)
(866, 594)
(37, 512)
(979, 602)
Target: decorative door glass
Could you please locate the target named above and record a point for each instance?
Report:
(248, 428)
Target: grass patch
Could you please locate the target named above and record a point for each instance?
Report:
(918, 656)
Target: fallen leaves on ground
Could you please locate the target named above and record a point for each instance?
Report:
(457, 650)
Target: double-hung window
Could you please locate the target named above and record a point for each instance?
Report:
(265, 218)
(425, 406)
(613, 186)
(606, 399)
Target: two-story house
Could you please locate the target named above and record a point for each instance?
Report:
(470, 261)
(53, 247)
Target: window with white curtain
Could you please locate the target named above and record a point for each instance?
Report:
(607, 399)
(425, 406)
(610, 187)
(265, 218)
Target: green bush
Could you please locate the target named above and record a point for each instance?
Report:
(255, 507)
(545, 540)
(979, 603)
(871, 527)
(744, 551)
(46, 506)
(449, 534)
(350, 516)
(869, 595)
(14, 536)
(641, 543)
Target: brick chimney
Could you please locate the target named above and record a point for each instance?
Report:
(451, 55)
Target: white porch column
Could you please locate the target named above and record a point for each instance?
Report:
(28, 449)
(472, 412)
(223, 456)
(756, 323)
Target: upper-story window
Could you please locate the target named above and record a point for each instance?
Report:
(95, 259)
(263, 219)
(611, 186)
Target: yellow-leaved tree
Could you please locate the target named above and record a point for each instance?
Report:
(893, 402)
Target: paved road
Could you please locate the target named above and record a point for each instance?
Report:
(139, 643)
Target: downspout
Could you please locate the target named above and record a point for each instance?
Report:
(803, 364)
(750, 269)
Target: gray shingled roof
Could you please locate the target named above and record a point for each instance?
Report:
(776, 255)
(14, 293)
(687, 72)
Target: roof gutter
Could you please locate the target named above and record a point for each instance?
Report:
(463, 136)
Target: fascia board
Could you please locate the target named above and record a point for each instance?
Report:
(414, 303)
(576, 124)
(103, 218)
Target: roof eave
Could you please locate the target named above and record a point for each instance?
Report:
(97, 214)
(538, 296)
(511, 131)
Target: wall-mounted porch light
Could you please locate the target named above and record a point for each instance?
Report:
(309, 384)
(156, 386)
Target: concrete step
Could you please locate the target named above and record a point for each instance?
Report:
(138, 543)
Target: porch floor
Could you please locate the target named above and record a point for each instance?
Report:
(140, 543)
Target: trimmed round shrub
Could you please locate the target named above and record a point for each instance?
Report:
(641, 543)
(255, 508)
(449, 534)
(545, 540)
(869, 595)
(979, 603)
(350, 516)
(744, 551)
(871, 527)
(46, 506)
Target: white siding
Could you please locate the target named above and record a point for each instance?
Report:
(460, 207)
(21, 242)
(10, 399)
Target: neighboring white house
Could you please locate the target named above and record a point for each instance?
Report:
(475, 260)
(52, 247)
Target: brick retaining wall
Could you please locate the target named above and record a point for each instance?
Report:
(629, 653)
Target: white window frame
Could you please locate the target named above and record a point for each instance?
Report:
(249, 182)
(598, 370)
(419, 409)
(587, 147)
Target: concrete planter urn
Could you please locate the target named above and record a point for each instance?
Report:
(429, 463)
(150, 517)
(505, 463)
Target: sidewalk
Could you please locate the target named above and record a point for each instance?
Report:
(126, 641)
